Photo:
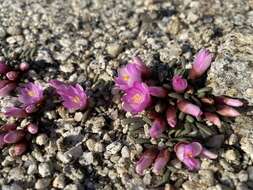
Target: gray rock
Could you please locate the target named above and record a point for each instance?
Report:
(45, 169)
(2, 32)
(59, 181)
(113, 148)
(99, 147)
(113, 49)
(90, 143)
(125, 152)
(42, 139)
(42, 183)
(243, 176)
(87, 158)
(71, 187)
(78, 116)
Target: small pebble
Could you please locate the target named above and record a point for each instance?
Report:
(42, 139)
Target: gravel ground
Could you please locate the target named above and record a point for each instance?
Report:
(85, 41)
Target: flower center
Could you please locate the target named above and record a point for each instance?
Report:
(137, 98)
(76, 99)
(189, 154)
(31, 93)
(125, 77)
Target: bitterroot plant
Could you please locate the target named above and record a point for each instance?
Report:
(182, 113)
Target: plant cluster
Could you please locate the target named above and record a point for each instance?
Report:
(30, 100)
(188, 114)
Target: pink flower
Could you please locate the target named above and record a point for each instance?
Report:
(127, 76)
(201, 63)
(189, 108)
(229, 101)
(137, 98)
(228, 111)
(161, 161)
(15, 112)
(31, 94)
(179, 84)
(145, 161)
(187, 153)
(73, 97)
(3, 67)
(171, 116)
(6, 87)
(213, 118)
(145, 71)
(157, 91)
(157, 128)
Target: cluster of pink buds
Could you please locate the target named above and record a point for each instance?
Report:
(10, 77)
(159, 159)
(185, 104)
(30, 100)
(16, 138)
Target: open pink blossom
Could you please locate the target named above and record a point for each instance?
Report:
(171, 116)
(137, 98)
(189, 108)
(179, 84)
(145, 161)
(6, 87)
(161, 161)
(228, 111)
(213, 118)
(15, 112)
(145, 71)
(157, 91)
(201, 63)
(73, 97)
(127, 76)
(188, 153)
(30, 94)
(157, 128)
(229, 101)
(3, 67)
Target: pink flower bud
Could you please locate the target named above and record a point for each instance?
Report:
(8, 127)
(228, 111)
(15, 112)
(157, 128)
(179, 84)
(24, 66)
(157, 91)
(189, 108)
(171, 116)
(3, 68)
(18, 149)
(13, 136)
(32, 128)
(145, 161)
(201, 63)
(213, 118)
(229, 101)
(207, 100)
(12, 75)
(161, 161)
(6, 87)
